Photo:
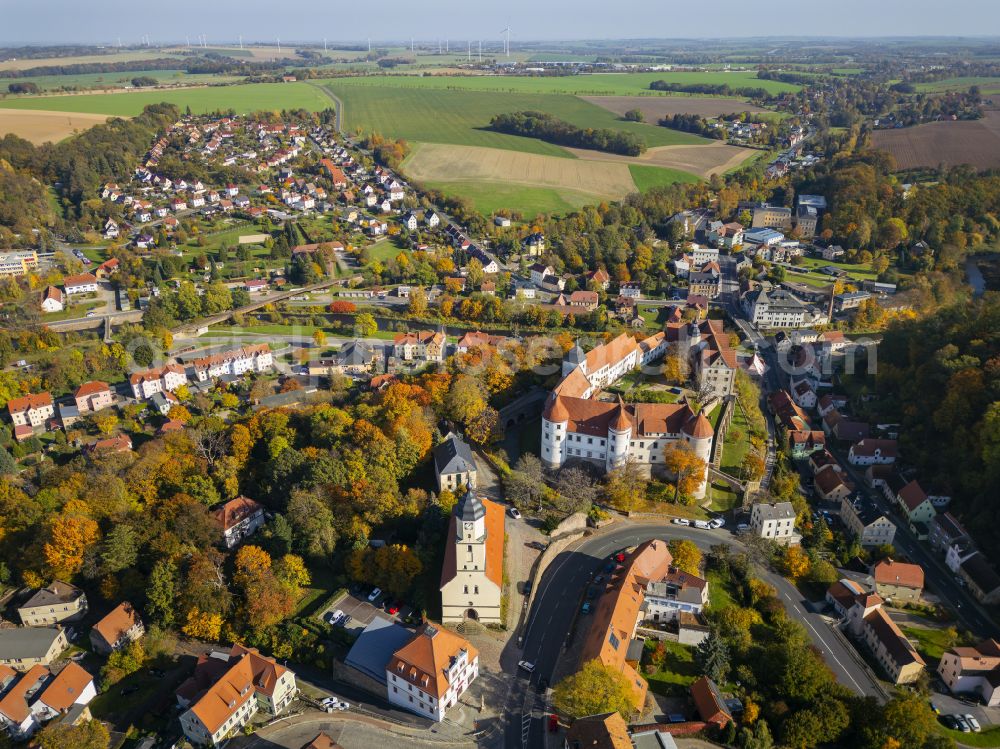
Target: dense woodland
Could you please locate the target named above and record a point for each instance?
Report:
(939, 378)
(715, 89)
(548, 128)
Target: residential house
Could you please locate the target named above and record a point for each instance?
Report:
(121, 443)
(502, 221)
(981, 578)
(613, 622)
(973, 671)
(160, 380)
(423, 345)
(22, 648)
(162, 402)
(93, 396)
(842, 595)
(31, 410)
(802, 443)
(899, 582)
(534, 244)
(803, 394)
(832, 484)
(111, 230)
(58, 602)
(868, 622)
(774, 521)
(605, 731)
(410, 220)
(771, 216)
(599, 278)
(709, 703)
(255, 285)
(238, 518)
(430, 673)
(227, 690)
(674, 593)
(915, 504)
(117, 629)
(454, 464)
(586, 300)
(868, 525)
(473, 591)
(80, 284)
(355, 358)
(71, 687)
(947, 532)
(431, 219)
(870, 451)
(52, 299)
(726, 236)
(237, 362)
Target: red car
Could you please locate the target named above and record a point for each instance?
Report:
(620, 557)
(553, 723)
(393, 608)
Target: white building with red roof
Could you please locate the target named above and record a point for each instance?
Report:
(31, 410)
(227, 690)
(239, 518)
(578, 425)
(239, 361)
(429, 674)
(164, 379)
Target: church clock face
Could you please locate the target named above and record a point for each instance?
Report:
(469, 526)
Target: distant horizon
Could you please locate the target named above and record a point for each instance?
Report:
(336, 43)
(104, 21)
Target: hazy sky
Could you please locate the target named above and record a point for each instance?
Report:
(39, 21)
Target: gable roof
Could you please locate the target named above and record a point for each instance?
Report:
(709, 702)
(424, 659)
(606, 731)
(891, 572)
(454, 456)
(29, 402)
(236, 511)
(117, 622)
(14, 704)
(64, 690)
(91, 388)
(248, 672)
(912, 495)
(54, 593)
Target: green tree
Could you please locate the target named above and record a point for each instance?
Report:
(120, 548)
(594, 689)
(7, 463)
(161, 592)
(365, 325)
(712, 657)
(758, 737)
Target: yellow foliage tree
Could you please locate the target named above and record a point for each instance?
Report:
(202, 625)
(69, 537)
(795, 563)
(687, 556)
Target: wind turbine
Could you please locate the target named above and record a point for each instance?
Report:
(241, 41)
(279, 45)
(506, 44)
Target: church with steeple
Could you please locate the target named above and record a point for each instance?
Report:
(472, 576)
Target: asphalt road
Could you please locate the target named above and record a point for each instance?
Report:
(559, 593)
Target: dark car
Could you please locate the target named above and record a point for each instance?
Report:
(129, 690)
(527, 587)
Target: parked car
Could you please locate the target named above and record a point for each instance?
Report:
(536, 545)
(514, 513)
(526, 665)
(716, 523)
(949, 722)
(586, 608)
(742, 527)
(973, 723)
(527, 587)
(334, 617)
(963, 726)
(373, 596)
(679, 521)
(703, 524)
(334, 703)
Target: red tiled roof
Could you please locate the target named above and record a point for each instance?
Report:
(29, 402)
(890, 572)
(236, 510)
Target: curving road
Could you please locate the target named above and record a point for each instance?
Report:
(561, 588)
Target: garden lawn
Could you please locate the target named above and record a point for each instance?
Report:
(930, 643)
(383, 250)
(733, 451)
(854, 271)
(250, 97)
(678, 670)
(648, 177)
(719, 595)
(462, 117)
(990, 737)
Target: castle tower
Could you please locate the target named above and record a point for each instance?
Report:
(575, 357)
(555, 424)
(619, 437)
(698, 433)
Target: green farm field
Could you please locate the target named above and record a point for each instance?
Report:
(460, 117)
(648, 177)
(529, 200)
(986, 84)
(597, 84)
(246, 98)
(114, 80)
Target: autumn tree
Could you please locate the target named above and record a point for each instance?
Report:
(418, 302)
(392, 567)
(365, 325)
(64, 735)
(594, 689)
(752, 466)
(686, 556)
(685, 465)
(626, 487)
(795, 562)
(69, 536)
(466, 398)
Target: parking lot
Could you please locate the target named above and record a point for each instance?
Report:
(361, 612)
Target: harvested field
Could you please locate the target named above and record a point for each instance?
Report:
(711, 158)
(40, 127)
(655, 107)
(435, 162)
(973, 142)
